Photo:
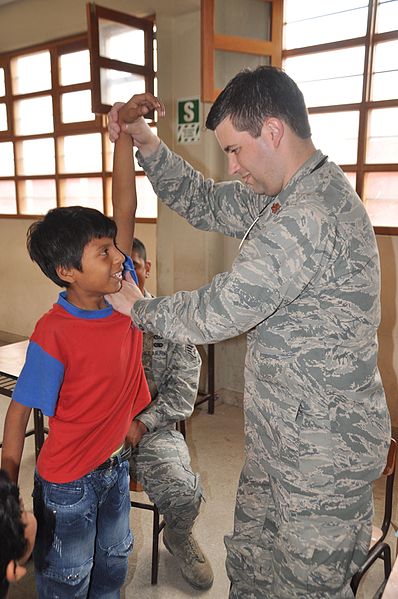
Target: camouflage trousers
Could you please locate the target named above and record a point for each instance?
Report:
(295, 545)
(161, 463)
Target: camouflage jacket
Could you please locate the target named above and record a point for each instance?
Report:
(172, 371)
(305, 287)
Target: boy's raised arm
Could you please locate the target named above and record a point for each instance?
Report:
(124, 197)
(15, 425)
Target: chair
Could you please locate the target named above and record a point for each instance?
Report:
(157, 525)
(378, 547)
(157, 528)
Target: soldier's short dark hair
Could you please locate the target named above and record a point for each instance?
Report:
(253, 95)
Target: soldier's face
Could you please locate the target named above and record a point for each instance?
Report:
(253, 159)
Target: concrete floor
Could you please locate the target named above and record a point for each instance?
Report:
(216, 446)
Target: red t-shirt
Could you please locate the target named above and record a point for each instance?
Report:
(83, 369)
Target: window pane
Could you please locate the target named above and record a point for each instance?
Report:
(119, 86)
(381, 198)
(387, 15)
(382, 143)
(76, 107)
(3, 117)
(352, 177)
(147, 203)
(80, 153)
(74, 67)
(121, 42)
(314, 22)
(231, 18)
(385, 71)
(37, 196)
(8, 202)
(7, 159)
(36, 157)
(34, 116)
(85, 191)
(31, 73)
(227, 64)
(336, 134)
(2, 83)
(327, 78)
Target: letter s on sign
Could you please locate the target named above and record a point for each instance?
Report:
(189, 112)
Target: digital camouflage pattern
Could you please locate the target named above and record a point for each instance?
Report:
(305, 287)
(161, 461)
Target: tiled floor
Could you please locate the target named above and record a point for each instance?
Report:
(216, 445)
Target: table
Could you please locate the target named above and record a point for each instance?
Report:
(391, 588)
(12, 358)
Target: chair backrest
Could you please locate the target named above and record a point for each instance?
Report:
(389, 473)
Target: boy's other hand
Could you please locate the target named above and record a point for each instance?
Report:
(124, 300)
(135, 433)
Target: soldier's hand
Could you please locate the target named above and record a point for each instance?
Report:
(124, 300)
(129, 117)
(135, 433)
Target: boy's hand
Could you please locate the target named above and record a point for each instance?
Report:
(135, 433)
(129, 118)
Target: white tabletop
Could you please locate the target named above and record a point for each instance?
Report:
(391, 590)
(12, 357)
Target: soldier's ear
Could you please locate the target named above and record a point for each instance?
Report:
(274, 129)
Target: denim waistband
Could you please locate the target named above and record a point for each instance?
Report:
(114, 460)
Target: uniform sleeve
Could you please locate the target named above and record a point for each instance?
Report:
(271, 271)
(177, 388)
(40, 380)
(228, 208)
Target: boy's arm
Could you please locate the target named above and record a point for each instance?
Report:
(14, 438)
(124, 197)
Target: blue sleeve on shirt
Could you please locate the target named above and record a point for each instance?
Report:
(40, 380)
(128, 266)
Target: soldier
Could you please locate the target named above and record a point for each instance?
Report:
(160, 460)
(305, 287)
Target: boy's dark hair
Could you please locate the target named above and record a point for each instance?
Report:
(253, 95)
(60, 237)
(139, 247)
(13, 543)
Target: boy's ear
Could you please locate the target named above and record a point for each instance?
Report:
(148, 266)
(14, 571)
(66, 274)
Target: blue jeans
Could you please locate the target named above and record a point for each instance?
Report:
(83, 537)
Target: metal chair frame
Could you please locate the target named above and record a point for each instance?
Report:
(381, 549)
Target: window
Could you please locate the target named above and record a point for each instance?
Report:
(230, 42)
(54, 150)
(343, 54)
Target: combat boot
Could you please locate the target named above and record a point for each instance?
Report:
(193, 564)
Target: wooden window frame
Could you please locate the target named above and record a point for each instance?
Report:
(212, 41)
(56, 48)
(369, 41)
(94, 13)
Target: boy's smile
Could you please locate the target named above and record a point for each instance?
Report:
(102, 266)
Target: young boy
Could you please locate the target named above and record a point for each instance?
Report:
(83, 369)
(160, 460)
(17, 534)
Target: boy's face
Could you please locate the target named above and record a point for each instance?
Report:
(142, 269)
(101, 274)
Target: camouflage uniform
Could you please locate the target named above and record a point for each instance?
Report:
(161, 461)
(305, 288)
